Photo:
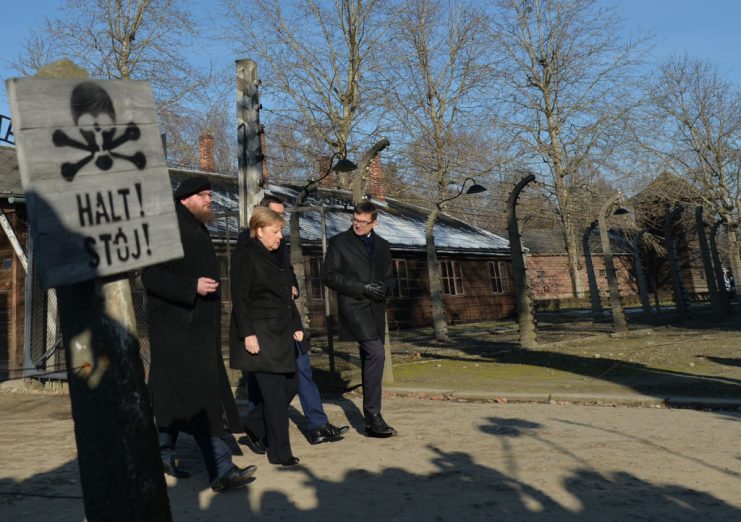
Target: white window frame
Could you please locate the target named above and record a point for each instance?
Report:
(403, 286)
(499, 277)
(452, 277)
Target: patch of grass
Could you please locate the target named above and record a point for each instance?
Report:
(661, 355)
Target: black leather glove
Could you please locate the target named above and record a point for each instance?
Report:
(374, 291)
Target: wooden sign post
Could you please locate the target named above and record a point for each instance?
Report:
(100, 204)
(94, 172)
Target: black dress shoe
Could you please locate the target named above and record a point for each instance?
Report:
(375, 426)
(288, 462)
(253, 442)
(174, 471)
(337, 431)
(326, 433)
(234, 478)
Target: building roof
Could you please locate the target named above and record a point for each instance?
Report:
(401, 224)
(551, 242)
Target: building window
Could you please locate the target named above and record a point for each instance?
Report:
(499, 277)
(315, 278)
(402, 278)
(452, 278)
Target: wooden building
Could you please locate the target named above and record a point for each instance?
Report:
(12, 272)
(548, 267)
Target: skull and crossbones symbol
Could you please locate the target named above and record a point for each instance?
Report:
(93, 113)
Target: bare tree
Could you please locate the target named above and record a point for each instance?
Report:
(121, 39)
(441, 72)
(317, 61)
(125, 39)
(569, 91)
(213, 115)
(699, 115)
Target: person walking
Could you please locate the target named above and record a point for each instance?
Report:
(358, 267)
(265, 327)
(319, 428)
(188, 384)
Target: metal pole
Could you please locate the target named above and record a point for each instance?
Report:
(618, 316)
(525, 317)
(593, 288)
(718, 267)
(327, 307)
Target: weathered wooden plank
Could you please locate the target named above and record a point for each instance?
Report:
(95, 176)
(125, 195)
(46, 102)
(109, 247)
(145, 152)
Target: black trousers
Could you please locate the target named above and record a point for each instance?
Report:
(269, 418)
(372, 358)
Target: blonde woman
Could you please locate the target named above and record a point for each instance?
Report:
(265, 326)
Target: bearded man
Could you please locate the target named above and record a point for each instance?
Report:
(188, 383)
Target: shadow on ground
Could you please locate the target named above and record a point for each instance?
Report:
(456, 488)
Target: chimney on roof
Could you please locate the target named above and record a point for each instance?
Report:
(375, 183)
(264, 182)
(206, 152)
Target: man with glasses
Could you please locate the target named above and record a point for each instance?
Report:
(358, 267)
(320, 429)
(188, 383)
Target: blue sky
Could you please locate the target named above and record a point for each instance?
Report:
(706, 29)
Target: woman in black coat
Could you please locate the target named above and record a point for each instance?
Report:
(265, 326)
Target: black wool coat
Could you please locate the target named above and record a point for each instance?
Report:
(285, 258)
(262, 305)
(347, 268)
(187, 377)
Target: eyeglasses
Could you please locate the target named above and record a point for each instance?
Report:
(361, 222)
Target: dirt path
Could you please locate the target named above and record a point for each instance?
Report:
(452, 462)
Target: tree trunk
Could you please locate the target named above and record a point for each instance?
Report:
(568, 229)
(572, 245)
(572, 250)
(435, 276)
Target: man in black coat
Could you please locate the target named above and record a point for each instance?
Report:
(187, 379)
(358, 267)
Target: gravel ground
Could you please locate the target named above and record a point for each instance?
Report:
(452, 461)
